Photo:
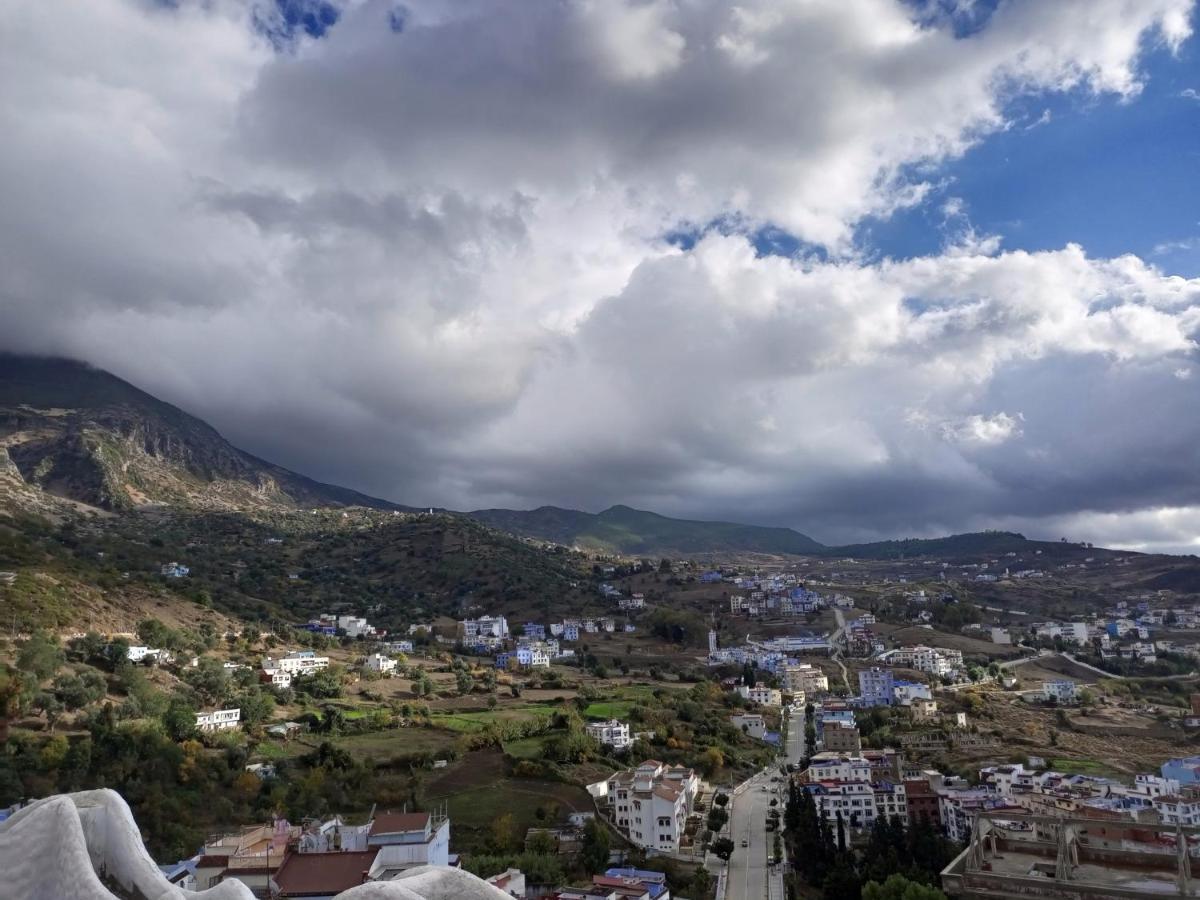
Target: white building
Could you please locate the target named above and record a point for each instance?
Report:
(1062, 691)
(860, 803)
(282, 670)
(637, 601)
(905, 692)
(751, 724)
(406, 840)
(219, 720)
(931, 660)
(484, 627)
(612, 733)
(141, 654)
(651, 803)
(766, 696)
(377, 662)
(803, 678)
(355, 626)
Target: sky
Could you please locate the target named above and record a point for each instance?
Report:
(866, 268)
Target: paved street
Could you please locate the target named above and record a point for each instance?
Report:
(749, 876)
(794, 751)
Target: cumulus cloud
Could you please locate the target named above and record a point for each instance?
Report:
(427, 254)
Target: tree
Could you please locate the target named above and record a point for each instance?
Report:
(711, 760)
(53, 753)
(78, 691)
(722, 848)
(842, 881)
(897, 887)
(504, 833)
(594, 855)
(463, 681)
(40, 656)
(179, 720)
(208, 679)
(542, 842)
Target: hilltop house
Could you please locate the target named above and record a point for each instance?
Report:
(219, 720)
(612, 733)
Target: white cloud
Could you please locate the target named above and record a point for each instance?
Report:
(984, 430)
(433, 264)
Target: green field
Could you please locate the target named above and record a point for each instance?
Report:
(529, 748)
(610, 709)
(477, 792)
(1081, 767)
(477, 721)
(396, 742)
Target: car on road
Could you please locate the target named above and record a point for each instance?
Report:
(763, 788)
(745, 843)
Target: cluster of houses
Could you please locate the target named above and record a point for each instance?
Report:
(321, 858)
(936, 661)
(538, 644)
(860, 787)
(769, 655)
(1125, 631)
(174, 570)
(351, 626)
(281, 670)
(789, 601)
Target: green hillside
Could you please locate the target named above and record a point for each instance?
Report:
(621, 529)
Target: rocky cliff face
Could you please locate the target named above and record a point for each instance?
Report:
(81, 434)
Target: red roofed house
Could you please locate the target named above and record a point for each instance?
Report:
(322, 876)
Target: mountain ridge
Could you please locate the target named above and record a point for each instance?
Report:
(74, 433)
(81, 434)
(623, 529)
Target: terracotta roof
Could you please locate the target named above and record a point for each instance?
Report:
(321, 874)
(391, 823)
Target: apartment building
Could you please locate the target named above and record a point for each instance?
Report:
(877, 687)
(650, 803)
(803, 678)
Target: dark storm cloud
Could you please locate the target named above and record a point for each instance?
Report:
(431, 262)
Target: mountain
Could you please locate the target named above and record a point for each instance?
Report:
(956, 545)
(81, 434)
(621, 529)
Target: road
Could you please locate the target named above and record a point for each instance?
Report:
(749, 877)
(794, 751)
(833, 647)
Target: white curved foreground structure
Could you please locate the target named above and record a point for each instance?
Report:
(68, 847)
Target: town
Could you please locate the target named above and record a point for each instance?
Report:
(677, 723)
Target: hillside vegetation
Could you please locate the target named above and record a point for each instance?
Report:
(633, 532)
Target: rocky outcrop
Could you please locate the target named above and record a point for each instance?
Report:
(86, 846)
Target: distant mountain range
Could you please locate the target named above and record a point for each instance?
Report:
(634, 532)
(72, 433)
(620, 529)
